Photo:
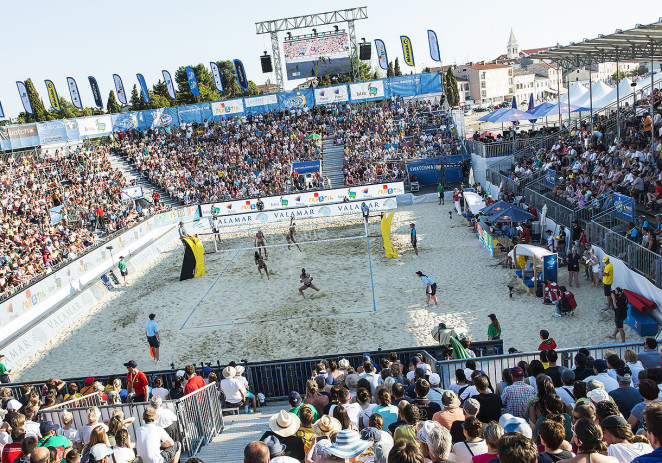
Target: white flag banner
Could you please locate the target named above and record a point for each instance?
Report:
(25, 99)
(217, 76)
(169, 84)
(119, 88)
(73, 90)
(381, 54)
(434, 46)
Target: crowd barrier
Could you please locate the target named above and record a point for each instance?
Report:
(199, 416)
(69, 130)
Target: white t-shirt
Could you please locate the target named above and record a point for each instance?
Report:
(625, 453)
(165, 417)
(373, 379)
(148, 442)
(161, 392)
(123, 455)
(461, 451)
(232, 389)
(72, 434)
(353, 410)
(365, 415)
(87, 430)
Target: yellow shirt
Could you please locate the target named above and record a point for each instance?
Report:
(306, 435)
(608, 277)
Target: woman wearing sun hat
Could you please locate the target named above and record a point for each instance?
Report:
(324, 428)
(348, 445)
(284, 426)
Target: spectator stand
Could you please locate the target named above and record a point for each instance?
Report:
(199, 416)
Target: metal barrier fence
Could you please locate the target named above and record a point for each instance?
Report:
(493, 366)
(199, 416)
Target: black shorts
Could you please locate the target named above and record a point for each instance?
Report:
(619, 321)
(607, 289)
(433, 289)
(573, 268)
(168, 453)
(307, 285)
(413, 242)
(124, 272)
(153, 341)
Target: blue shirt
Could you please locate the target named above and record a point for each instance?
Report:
(151, 328)
(427, 280)
(653, 457)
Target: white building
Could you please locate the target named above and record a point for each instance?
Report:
(488, 83)
(524, 86)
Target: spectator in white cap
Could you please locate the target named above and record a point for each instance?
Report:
(234, 391)
(511, 423)
(99, 453)
(597, 395)
(435, 390)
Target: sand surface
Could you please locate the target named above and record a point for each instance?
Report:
(241, 316)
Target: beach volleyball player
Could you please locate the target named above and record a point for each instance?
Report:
(289, 236)
(259, 261)
(215, 228)
(307, 280)
(430, 289)
(260, 243)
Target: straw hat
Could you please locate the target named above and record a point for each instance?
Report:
(326, 426)
(229, 372)
(348, 444)
(343, 364)
(284, 424)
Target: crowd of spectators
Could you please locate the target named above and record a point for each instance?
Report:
(297, 50)
(84, 189)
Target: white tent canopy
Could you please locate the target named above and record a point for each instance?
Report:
(474, 202)
(576, 92)
(598, 90)
(529, 250)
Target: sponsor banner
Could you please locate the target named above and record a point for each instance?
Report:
(19, 136)
(264, 100)
(434, 45)
(52, 95)
(550, 267)
(119, 89)
(335, 94)
(407, 50)
(625, 207)
(313, 212)
(227, 108)
(93, 126)
(404, 85)
(143, 87)
(296, 100)
(160, 118)
(310, 198)
(169, 84)
(128, 121)
(241, 74)
(430, 83)
(370, 90)
(25, 99)
(381, 54)
(550, 177)
(52, 132)
(177, 215)
(96, 93)
(217, 76)
(131, 192)
(194, 113)
(73, 90)
(192, 82)
(307, 167)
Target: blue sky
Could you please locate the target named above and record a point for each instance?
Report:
(82, 38)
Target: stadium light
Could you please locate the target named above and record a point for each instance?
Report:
(336, 28)
(314, 31)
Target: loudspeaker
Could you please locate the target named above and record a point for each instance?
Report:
(365, 51)
(265, 61)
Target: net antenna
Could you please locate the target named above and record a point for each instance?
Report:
(274, 26)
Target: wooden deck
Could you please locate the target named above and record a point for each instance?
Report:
(240, 430)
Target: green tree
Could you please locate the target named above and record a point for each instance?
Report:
(396, 68)
(135, 102)
(39, 113)
(450, 88)
(389, 71)
(113, 105)
(620, 75)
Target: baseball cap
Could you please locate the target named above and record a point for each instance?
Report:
(180, 373)
(435, 379)
(89, 380)
(100, 451)
(206, 370)
(613, 422)
(517, 371)
(428, 426)
(13, 404)
(600, 365)
(47, 426)
(449, 399)
(471, 406)
(131, 364)
(605, 258)
(294, 399)
(568, 375)
(598, 395)
(515, 424)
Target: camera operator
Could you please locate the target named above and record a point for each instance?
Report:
(260, 205)
(620, 301)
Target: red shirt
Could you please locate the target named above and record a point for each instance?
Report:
(194, 384)
(10, 452)
(136, 382)
(547, 344)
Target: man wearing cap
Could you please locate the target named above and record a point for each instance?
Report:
(489, 404)
(277, 451)
(515, 396)
(625, 396)
(249, 395)
(284, 426)
(607, 280)
(49, 438)
(153, 336)
(99, 453)
(88, 389)
(470, 407)
(296, 401)
(435, 391)
(194, 382)
(13, 406)
(232, 388)
(4, 371)
(620, 303)
(136, 383)
(600, 368)
(153, 444)
(451, 411)
(650, 357)
(565, 392)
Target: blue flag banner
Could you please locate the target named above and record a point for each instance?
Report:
(241, 74)
(550, 177)
(25, 99)
(143, 87)
(434, 45)
(381, 54)
(624, 206)
(119, 89)
(2, 113)
(550, 267)
(217, 76)
(73, 90)
(169, 84)
(192, 83)
(128, 121)
(96, 93)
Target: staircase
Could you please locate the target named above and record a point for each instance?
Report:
(332, 162)
(117, 161)
(238, 431)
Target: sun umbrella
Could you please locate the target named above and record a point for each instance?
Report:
(512, 115)
(510, 215)
(492, 115)
(313, 136)
(496, 207)
(514, 106)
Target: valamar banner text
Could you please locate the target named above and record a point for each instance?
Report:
(407, 50)
(52, 95)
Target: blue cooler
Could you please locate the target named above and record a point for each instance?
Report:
(641, 323)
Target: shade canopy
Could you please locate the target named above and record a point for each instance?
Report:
(496, 207)
(512, 214)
